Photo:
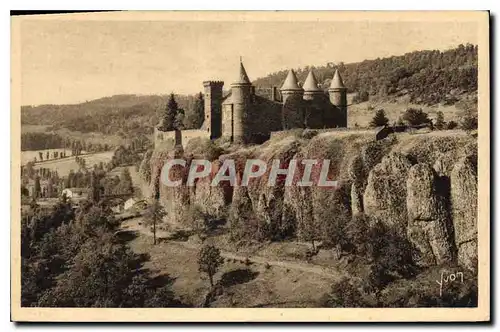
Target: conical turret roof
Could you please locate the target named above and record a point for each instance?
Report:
(337, 82)
(291, 82)
(243, 77)
(311, 84)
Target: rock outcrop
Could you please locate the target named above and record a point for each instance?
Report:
(464, 209)
(417, 186)
(427, 216)
(384, 199)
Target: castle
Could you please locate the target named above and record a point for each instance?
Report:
(246, 116)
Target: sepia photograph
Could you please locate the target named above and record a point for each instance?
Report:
(270, 166)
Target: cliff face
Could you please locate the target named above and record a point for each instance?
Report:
(422, 185)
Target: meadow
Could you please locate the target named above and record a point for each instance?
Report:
(65, 165)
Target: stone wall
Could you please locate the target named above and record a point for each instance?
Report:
(185, 136)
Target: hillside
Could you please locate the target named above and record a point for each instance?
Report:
(116, 115)
(427, 77)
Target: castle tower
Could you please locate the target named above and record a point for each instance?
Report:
(311, 89)
(241, 94)
(315, 100)
(291, 87)
(293, 113)
(213, 108)
(338, 97)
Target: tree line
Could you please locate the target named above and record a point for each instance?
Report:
(42, 141)
(428, 77)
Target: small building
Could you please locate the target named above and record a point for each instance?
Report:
(75, 192)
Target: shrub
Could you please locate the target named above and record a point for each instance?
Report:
(244, 224)
(356, 235)
(422, 292)
(456, 295)
(469, 122)
(346, 294)
(204, 148)
(309, 133)
(391, 252)
(440, 124)
(195, 218)
(451, 125)
(415, 117)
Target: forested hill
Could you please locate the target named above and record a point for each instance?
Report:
(126, 114)
(427, 77)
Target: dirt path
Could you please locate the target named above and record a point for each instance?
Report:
(132, 225)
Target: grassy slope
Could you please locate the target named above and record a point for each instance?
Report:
(362, 115)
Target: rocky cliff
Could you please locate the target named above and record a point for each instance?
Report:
(424, 186)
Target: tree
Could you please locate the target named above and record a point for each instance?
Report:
(440, 124)
(209, 261)
(125, 186)
(379, 119)
(37, 189)
(194, 120)
(50, 187)
(415, 116)
(95, 188)
(154, 215)
(169, 116)
(179, 119)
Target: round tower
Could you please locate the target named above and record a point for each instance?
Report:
(317, 110)
(241, 95)
(291, 87)
(311, 89)
(293, 113)
(338, 97)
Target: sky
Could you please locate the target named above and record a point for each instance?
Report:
(67, 61)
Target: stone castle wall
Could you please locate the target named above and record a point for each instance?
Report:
(184, 137)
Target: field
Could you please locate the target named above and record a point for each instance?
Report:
(63, 166)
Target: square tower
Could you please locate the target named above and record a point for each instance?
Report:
(213, 108)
